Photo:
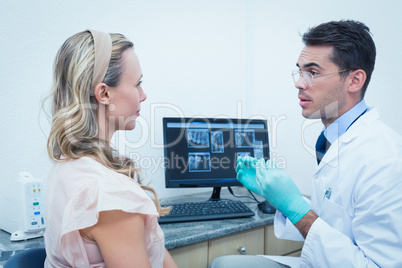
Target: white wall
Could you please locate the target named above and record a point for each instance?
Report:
(206, 58)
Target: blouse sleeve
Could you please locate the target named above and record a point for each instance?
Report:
(102, 191)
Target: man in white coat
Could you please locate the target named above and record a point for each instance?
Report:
(354, 218)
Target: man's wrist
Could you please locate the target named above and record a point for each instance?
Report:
(304, 224)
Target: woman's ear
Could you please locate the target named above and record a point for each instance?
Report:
(102, 93)
(358, 78)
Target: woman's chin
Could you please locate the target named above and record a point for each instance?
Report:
(130, 126)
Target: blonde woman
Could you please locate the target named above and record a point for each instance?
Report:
(98, 213)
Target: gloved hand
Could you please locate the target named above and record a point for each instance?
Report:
(246, 173)
(279, 189)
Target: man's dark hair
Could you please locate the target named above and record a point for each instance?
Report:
(353, 45)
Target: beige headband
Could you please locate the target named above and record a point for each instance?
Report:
(103, 53)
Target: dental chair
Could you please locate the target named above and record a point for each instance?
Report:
(32, 258)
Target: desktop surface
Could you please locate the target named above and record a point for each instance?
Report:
(187, 233)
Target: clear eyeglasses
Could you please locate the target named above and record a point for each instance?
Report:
(308, 78)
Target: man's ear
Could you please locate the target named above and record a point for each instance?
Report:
(357, 80)
(102, 93)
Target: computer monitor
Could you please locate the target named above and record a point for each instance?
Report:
(202, 152)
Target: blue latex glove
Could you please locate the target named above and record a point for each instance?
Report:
(279, 189)
(271, 182)
(246, 173)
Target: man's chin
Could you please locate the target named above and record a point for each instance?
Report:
(311, 114)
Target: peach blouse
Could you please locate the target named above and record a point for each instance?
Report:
(77, 190)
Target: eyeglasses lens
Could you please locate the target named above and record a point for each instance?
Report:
(295, 76)
(307, 78)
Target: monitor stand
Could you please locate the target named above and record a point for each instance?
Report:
(216, 194)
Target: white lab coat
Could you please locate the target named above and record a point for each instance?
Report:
(360, 224)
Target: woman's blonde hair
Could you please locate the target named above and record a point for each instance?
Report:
(74, 128)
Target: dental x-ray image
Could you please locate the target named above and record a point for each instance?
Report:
(242, 154)
(198, 138)
(244, 138)
(258, 149)
(217, 145)
(199, 162)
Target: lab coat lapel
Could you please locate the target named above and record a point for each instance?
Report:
(359, 127)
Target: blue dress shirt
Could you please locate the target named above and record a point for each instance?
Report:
(341, 125)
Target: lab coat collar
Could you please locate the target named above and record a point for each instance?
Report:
(359, 127)
(342, 124)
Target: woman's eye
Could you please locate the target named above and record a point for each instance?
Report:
(139, 84)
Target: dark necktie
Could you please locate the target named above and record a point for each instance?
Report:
(321, 147)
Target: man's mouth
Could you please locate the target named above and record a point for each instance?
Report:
(304, 101)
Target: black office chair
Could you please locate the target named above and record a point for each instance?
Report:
(32, 258)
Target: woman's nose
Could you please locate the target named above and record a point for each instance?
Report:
(143, 96)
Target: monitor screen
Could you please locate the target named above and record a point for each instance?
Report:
(202, 152)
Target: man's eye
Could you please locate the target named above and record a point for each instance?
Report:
(313, 73)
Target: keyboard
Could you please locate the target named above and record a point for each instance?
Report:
(206, 210)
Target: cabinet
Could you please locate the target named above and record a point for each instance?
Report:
(275, 246)
(252, 242)
(256, 241)
(191, 256)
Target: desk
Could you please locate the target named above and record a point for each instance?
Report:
(200, 241)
